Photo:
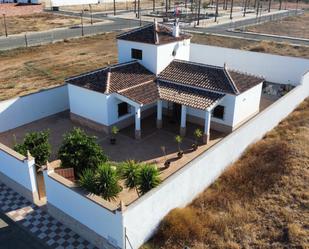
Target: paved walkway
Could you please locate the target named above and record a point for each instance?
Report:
(38, 222)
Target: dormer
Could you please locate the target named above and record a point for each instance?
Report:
(154, 46)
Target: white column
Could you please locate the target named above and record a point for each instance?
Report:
(138, 122)
(207, 127)
(183, 120)
(159, 114)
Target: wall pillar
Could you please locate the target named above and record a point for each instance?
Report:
(207, 127)
(159, 114)
(183, 120)
(138, 122)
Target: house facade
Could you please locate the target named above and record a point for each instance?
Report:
(155, 76)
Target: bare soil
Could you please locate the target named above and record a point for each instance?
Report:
(296, 26)
(38, 22)
(261, 201)
(27, 70)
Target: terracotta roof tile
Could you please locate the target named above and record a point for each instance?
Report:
(244, 81)
(187, 95)
(149, 34)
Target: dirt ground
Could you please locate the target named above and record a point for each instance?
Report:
(38, 22)
(27, 70)
(261, 201)
(13, 9)
(296, 26)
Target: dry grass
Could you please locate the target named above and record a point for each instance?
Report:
(255, 46)
(296, 26)
(28, 70)
(38, 22)
(261, 201)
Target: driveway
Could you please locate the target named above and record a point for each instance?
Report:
(13, 236)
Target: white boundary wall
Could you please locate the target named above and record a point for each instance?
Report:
(18, 172)
(274, 68)
(22, 110)
(142, 217)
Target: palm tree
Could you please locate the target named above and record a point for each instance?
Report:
(87, 180)
(107, 178)
(130, 173)
(148, 178)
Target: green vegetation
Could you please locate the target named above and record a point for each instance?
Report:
(148, 178)
(37, 144)
(80, 151)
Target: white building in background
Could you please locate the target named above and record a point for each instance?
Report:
(154, 75)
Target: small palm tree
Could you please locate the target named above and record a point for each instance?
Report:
(107, 178)
(148, 178)
(197, 135)
(130, 173)
(87, 180)
(114, 132)
(179, 140)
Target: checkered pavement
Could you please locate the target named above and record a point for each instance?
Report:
(38, 222)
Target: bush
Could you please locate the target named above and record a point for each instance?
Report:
(130, 172)
(80, 151)
(38, 145)
(103, 181)
(148, 178)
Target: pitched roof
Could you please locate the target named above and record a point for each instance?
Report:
(244, 81)
(208, 77)
(187, 95)
(114, 78)
(153, 34)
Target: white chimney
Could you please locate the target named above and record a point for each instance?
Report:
(176, 28)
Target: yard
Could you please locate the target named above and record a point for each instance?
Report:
(29, 70)
(261, 201)
(38, 22)
(296, 26)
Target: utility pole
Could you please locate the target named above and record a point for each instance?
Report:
(153, 5)
(139, 9)
(245, 8)
(269, 5)
(280, 4)
(135, 7)
(90, 7)
(166, 6)
(231, 13)
(217, 6)
(5, 27)
(114, 7)
(198, 12)
(82, 21)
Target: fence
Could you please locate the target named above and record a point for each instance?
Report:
(142, 217)
(22, 110)
(18, 172)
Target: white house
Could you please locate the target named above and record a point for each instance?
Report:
(154, 74)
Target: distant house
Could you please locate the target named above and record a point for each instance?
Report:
(154, 75)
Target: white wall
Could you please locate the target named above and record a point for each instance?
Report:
(88, 104)
(22, 110)
(247, 104)
(104, 222)
(275, 68)
(143, 216)
(18, 168)
(155, 57)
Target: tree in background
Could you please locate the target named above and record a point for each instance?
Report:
(80, 151)
(37, 144)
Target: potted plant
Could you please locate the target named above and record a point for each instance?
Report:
(179, 139)
(114, 132)
(197, 135)
(166, 163)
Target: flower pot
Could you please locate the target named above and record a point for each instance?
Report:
(167, 164)
(180, 154)
(113, 140)
(194, 146)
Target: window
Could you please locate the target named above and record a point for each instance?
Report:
(123, 109)
(218, 112)
(136, 54)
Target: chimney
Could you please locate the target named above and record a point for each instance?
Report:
(176, 28)
(155, 30)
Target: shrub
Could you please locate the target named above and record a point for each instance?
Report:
(88, 181)
(80, 151)
(148, 178)
(178, 140)
(38, 145)
(130, 172)
(107, 180)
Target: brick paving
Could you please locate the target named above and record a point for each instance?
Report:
(38, 222)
